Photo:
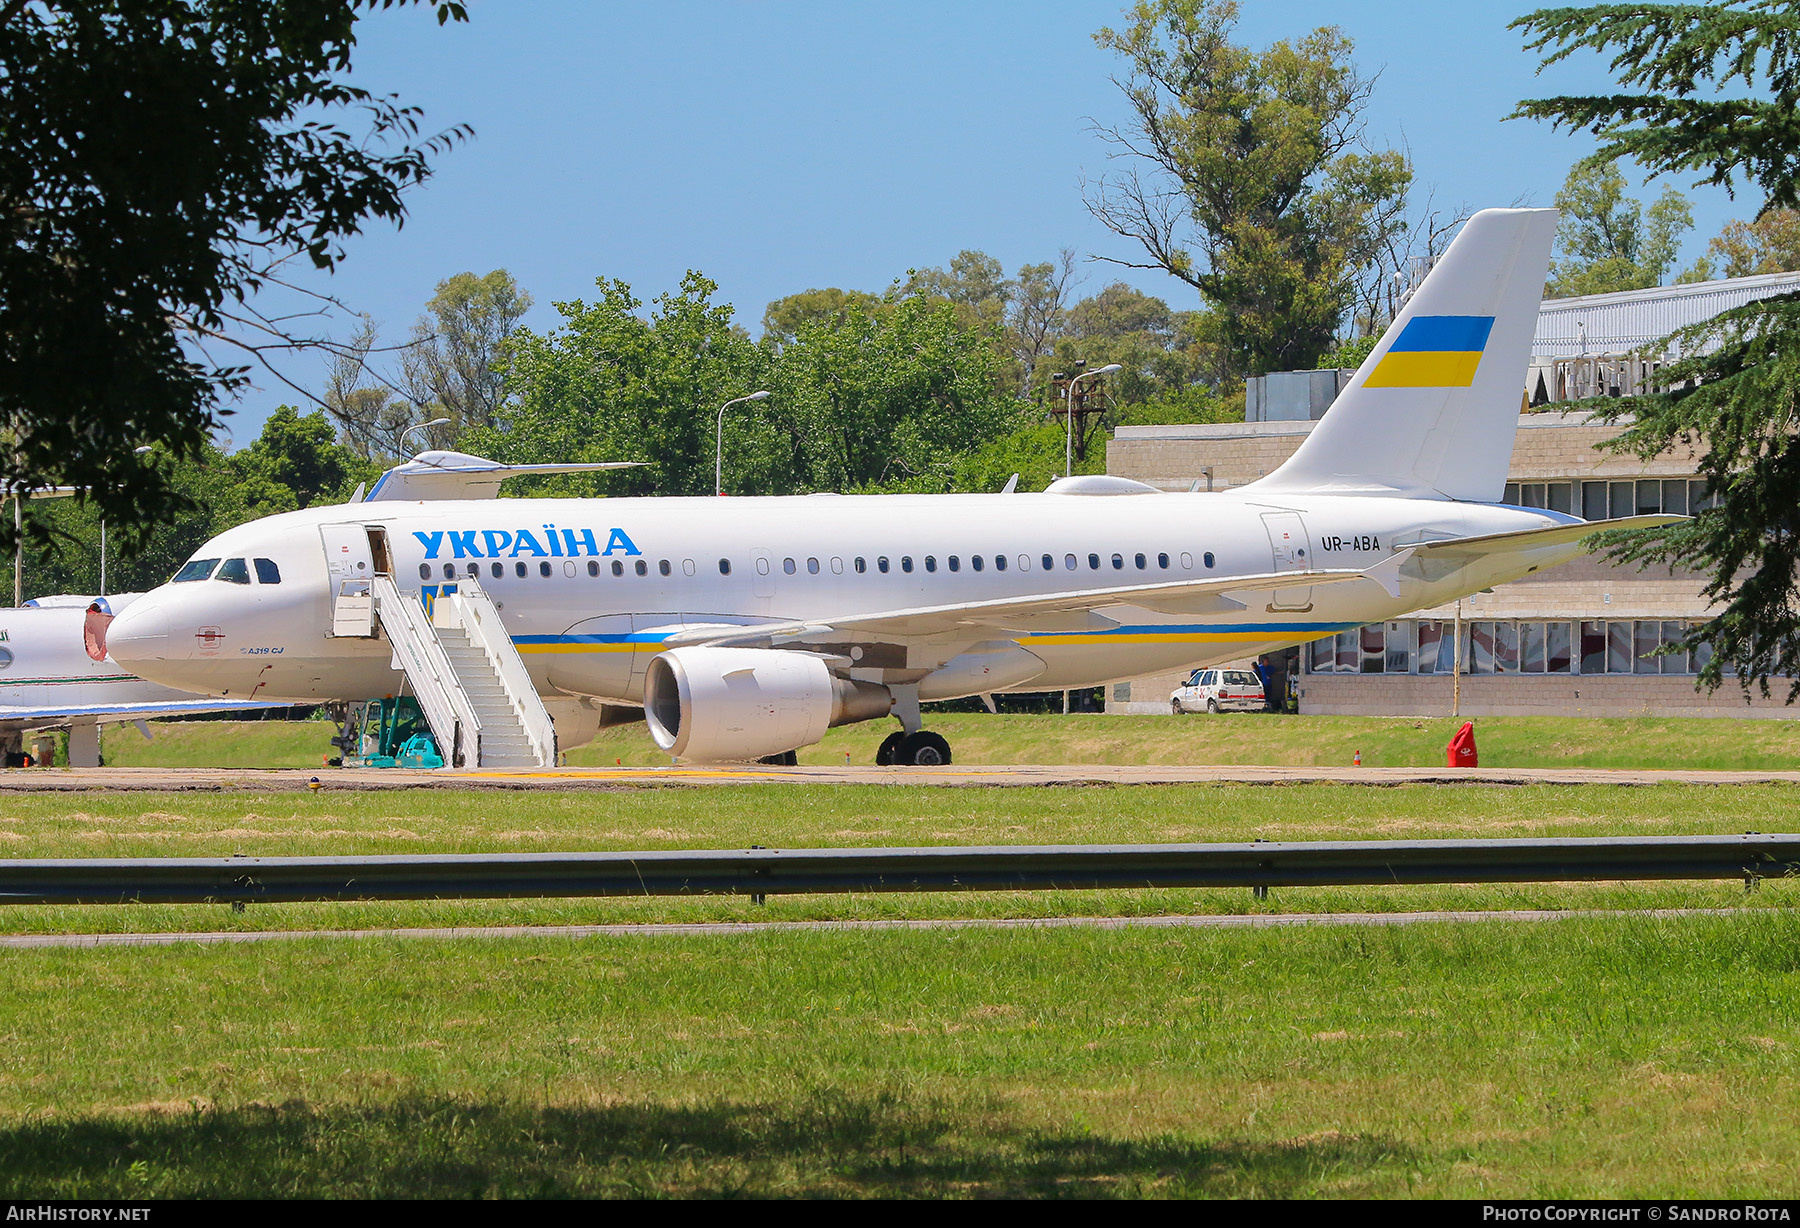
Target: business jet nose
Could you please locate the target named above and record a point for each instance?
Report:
(139, 635)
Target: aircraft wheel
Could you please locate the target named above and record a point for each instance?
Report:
(1212, 707)
(925, 749)
(889, 753)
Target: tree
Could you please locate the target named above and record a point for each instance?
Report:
(888, 399)
(1037, 313)
(1743, 413)
(1606, 240)
(1259, 195)
(451, 369)
(783, 319)
(611, 385)
(975, 284)
(369, 413)
(162, 159)
(1769, 244)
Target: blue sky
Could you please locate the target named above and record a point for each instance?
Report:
(781, 145)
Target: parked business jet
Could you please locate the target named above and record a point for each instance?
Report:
(744, 628)
(54, 674)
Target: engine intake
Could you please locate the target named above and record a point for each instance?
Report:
(726, 704)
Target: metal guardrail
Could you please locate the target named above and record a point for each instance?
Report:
(759, 872)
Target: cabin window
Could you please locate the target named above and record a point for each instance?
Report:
(424, 571)
(837, 566)
(762, 566)
(687, 567)
(881, 564)
(642, 567)
(618, 568)
(1207, 558)
(812, 567)
(6, 657)
(519, 569)
(449, 571)
(194, 569)
(1069, 562)
(906, 563)
(267, 572)
(474, 570)
(787, 565)
(861, 564)
(1162, 561)
(999, 562)
(569, 567)
(662, 566)
(724, 567)
(499, 570)
(931, 562)
(955, 563)
(1118, 562)
(593, 567)
(544, 569)
(1140, 561)
(234, 571)
(1093, 562)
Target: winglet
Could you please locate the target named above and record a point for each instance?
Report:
(1387, 572)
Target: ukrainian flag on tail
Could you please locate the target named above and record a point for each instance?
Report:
(1433, 352)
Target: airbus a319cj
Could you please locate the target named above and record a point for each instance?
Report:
(746, 627)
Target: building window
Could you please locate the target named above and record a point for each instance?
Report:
(1373, 657)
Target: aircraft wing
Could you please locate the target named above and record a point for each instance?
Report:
(50, 714)
(1068, 611)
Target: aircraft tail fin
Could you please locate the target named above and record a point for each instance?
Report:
(1432, 411)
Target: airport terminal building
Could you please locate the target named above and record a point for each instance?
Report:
(1580, 639)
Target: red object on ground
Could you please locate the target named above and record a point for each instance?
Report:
(1462, 747)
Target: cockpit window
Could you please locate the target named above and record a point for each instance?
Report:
(267, 572)
(195, 569)
(234, 571)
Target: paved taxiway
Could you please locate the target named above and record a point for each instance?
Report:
(57, 780)
(729, 928)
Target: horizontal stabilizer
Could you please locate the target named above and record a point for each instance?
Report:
(457, 475)
(1532, 539)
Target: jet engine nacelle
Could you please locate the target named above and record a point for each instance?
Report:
(722, 704)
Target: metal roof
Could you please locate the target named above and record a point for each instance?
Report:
(1634, 320)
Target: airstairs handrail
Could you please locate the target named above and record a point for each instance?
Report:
(441, 697)
(475, 612)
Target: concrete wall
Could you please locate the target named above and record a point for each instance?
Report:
(1530, 695)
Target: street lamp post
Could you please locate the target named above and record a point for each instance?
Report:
(1069, 414)
(719, 439)
(422, 426)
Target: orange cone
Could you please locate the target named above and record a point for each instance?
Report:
(1357, 761)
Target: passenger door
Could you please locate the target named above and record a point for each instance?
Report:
(349, 567)
(1292, 552)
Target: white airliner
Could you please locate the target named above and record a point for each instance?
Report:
(745, 627)
(54, 673)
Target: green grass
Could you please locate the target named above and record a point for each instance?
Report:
(796, 816)
(1636, 742)
(1606, 1058)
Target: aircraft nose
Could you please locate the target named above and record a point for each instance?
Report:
(139, 634)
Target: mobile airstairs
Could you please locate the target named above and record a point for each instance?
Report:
(467, 676)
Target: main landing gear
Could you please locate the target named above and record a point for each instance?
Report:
(918, 749)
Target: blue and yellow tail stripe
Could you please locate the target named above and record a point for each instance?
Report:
(1433, 352)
